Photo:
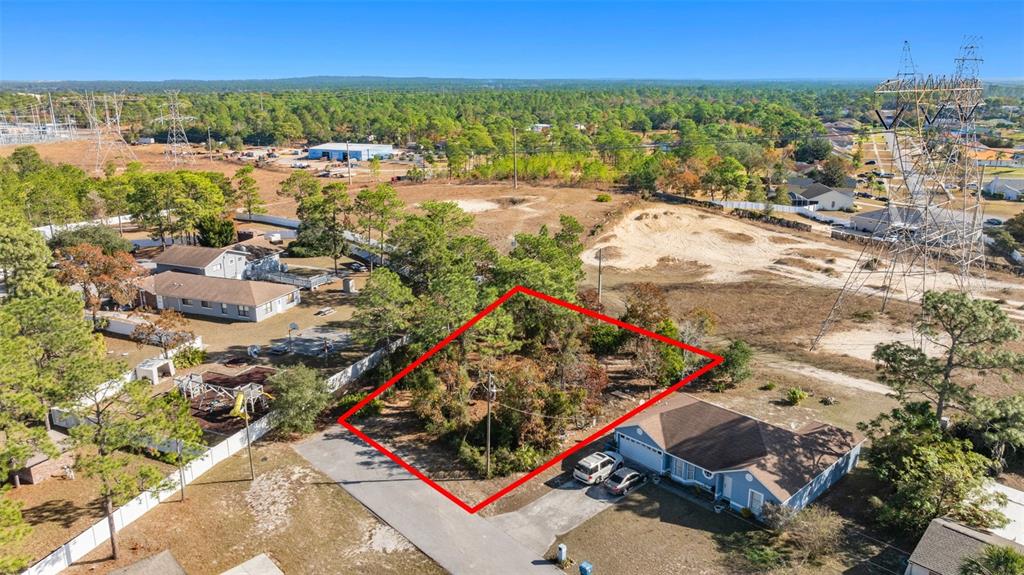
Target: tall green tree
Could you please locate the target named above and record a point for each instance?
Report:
(24, 258)
(247, 192)
(376, 209)
(383, 309)
(300, 398)
(114, 420)
(13, 529)
(969, 335)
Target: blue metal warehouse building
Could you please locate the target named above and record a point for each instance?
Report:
(337, 151)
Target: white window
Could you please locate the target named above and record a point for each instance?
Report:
(224, 308)
(755, 501)
(204, 303)
(677, 467)
(243, 310)
(215, 267)
(266, 308)
(708, 474)
(186, 301)
(689, 472)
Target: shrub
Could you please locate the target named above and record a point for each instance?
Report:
(603, 198)
(863, 316)
(605, 339)
(763, 557)
(348, 401)
(768, 386)
(746, 513)
(816, 531)
(778, 517)
(189, 357)
(795, 395)
(300, 395)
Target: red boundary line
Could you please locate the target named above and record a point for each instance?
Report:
(715, 361)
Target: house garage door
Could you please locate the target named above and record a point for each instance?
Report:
(642, 454)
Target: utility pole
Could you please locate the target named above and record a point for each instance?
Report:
(209, 144)
(491, 392)
(348, 158)
(181, 468)
(600, 270)
(515, 159)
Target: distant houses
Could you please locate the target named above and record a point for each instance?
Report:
(743, 462)
(342, 151)
(1009, 189)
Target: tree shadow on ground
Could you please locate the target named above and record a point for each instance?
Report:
(61, 512)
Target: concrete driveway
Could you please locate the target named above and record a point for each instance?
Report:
(457, 541)
(563, 509)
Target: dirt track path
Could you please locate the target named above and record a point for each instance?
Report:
(824, 375)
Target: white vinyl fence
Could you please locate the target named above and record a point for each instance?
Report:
(807, 211)
(49, 231)
(99, 532)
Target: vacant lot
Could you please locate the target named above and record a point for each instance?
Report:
(304, 521)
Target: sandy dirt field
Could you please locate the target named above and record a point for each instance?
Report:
(722, 249)
(304, 521)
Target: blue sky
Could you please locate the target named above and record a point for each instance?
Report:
(151, 40)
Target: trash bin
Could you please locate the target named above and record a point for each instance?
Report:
(586, 568)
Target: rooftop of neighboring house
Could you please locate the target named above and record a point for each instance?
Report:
(212, 289)
(946, 544)
(258, 247)
(718, 439)
(1012, 182)
(911, 215)
(816, 190)
(352, 147)
(189, 256)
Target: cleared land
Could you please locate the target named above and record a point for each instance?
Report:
(298, 516)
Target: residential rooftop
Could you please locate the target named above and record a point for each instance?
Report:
(213, 289)
(719, 439)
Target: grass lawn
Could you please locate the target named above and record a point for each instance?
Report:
(750, 398)
(59, 509)
(303, 520)
(654, 531)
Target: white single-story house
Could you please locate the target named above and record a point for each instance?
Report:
(210, 262)
(880, 221)
(1011, 189)
(239, 300)
(947, 544)
(742, 461)
(824, 197)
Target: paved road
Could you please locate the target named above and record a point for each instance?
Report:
(559, 511)
(459, 542)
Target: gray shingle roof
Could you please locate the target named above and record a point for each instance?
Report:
(946, 544)
(212, 289)
(718, 439)
(189, 256)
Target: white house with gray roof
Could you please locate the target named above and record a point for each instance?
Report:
(1011, 189)
(230, 299)
(198, 260)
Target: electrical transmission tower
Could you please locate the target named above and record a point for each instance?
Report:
(104, 116)
(931, 226)
(177, 151)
